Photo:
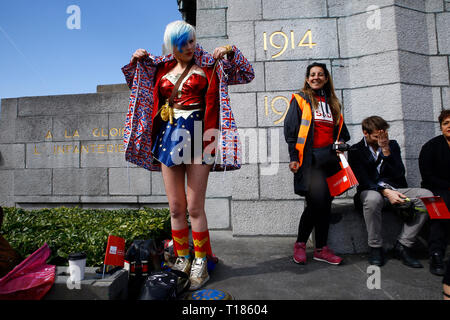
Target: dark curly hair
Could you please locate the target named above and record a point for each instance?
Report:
(444, 115)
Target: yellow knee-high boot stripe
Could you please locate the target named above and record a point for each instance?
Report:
(202, 244)
(181, 242)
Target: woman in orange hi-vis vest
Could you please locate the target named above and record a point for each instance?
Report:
(314, 122)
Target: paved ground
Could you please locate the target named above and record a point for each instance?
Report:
(262, 268)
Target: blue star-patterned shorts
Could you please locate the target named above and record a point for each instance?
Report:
(180, 142)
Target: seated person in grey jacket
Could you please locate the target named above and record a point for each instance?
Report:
(377, 164)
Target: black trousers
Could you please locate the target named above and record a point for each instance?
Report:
(317, 211)
(439, 228)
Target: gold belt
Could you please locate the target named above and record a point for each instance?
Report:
(166, 111)
(189, 107)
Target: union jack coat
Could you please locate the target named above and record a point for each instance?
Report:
(143, 106)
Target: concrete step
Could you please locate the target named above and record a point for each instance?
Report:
(93, 287)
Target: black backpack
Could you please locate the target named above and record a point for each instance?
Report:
(141, 258)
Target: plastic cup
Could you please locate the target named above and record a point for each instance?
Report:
(77, 264)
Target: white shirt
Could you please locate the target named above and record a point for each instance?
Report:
(375, 154)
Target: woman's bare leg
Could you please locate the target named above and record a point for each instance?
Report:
(197, 181)
(174, 179)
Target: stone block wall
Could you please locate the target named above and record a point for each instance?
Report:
(65, 150)
(68, 151)
(390, 58)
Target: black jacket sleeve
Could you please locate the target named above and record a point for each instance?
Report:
(362, 168)
(291, 128)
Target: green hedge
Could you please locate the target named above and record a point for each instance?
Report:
(68, 230)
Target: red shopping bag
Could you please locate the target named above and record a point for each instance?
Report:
(343, 180)
(31, 279)
(436, 207)
(338, 183)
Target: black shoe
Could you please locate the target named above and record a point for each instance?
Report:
(437, 266)
(376, 256)
(402, 252)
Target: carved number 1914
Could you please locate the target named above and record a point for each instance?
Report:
(306, 41)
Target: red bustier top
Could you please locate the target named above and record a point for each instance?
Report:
(192, 89)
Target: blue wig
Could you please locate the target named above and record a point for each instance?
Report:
(177, 34)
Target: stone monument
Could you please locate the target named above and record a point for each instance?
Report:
(389, 58)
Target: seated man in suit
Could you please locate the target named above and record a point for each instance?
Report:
(377, 164)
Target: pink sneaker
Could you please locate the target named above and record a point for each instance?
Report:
(327, 255)
(300, 252)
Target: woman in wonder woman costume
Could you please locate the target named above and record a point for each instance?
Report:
(180, 122)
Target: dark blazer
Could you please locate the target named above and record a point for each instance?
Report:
(434, 165)
(291, 129)
(364, 167)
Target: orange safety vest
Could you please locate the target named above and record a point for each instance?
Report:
(305, 124)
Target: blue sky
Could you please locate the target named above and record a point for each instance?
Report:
(40, 55)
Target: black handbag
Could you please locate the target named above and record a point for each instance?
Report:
(164, 285)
